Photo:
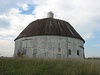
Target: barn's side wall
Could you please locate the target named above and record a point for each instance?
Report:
(49, 47)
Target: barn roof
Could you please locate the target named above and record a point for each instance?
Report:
(49, 26)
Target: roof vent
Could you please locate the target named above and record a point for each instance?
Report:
(50, 15)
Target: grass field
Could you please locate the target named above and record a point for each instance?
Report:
(18, 66)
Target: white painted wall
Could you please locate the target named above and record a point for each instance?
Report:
(49, 47)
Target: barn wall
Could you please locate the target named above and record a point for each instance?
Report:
(49, 47)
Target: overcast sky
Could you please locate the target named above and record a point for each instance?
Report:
(83, 15)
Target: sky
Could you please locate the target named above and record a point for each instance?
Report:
(83, 15)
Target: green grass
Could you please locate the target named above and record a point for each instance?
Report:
(11, 66)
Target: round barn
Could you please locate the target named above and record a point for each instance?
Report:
(49, 38)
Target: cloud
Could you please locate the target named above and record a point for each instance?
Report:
(88, 36)
(24, 6)
(6, 48)
(28, 9)
(17, 23)
(4, 23)
(97, 45)
(6, 5)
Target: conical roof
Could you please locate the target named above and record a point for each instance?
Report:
(49, 26)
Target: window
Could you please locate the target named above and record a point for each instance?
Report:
(69, 52)
(59, 50)
(77, 52)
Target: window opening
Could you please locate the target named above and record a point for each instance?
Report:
(59, 50)
(69, 52)
(77, 52)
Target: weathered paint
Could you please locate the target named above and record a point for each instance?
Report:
(49, 47)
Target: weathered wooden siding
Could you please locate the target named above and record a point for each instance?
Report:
(49, 47)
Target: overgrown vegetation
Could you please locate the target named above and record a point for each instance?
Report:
(19, 66)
